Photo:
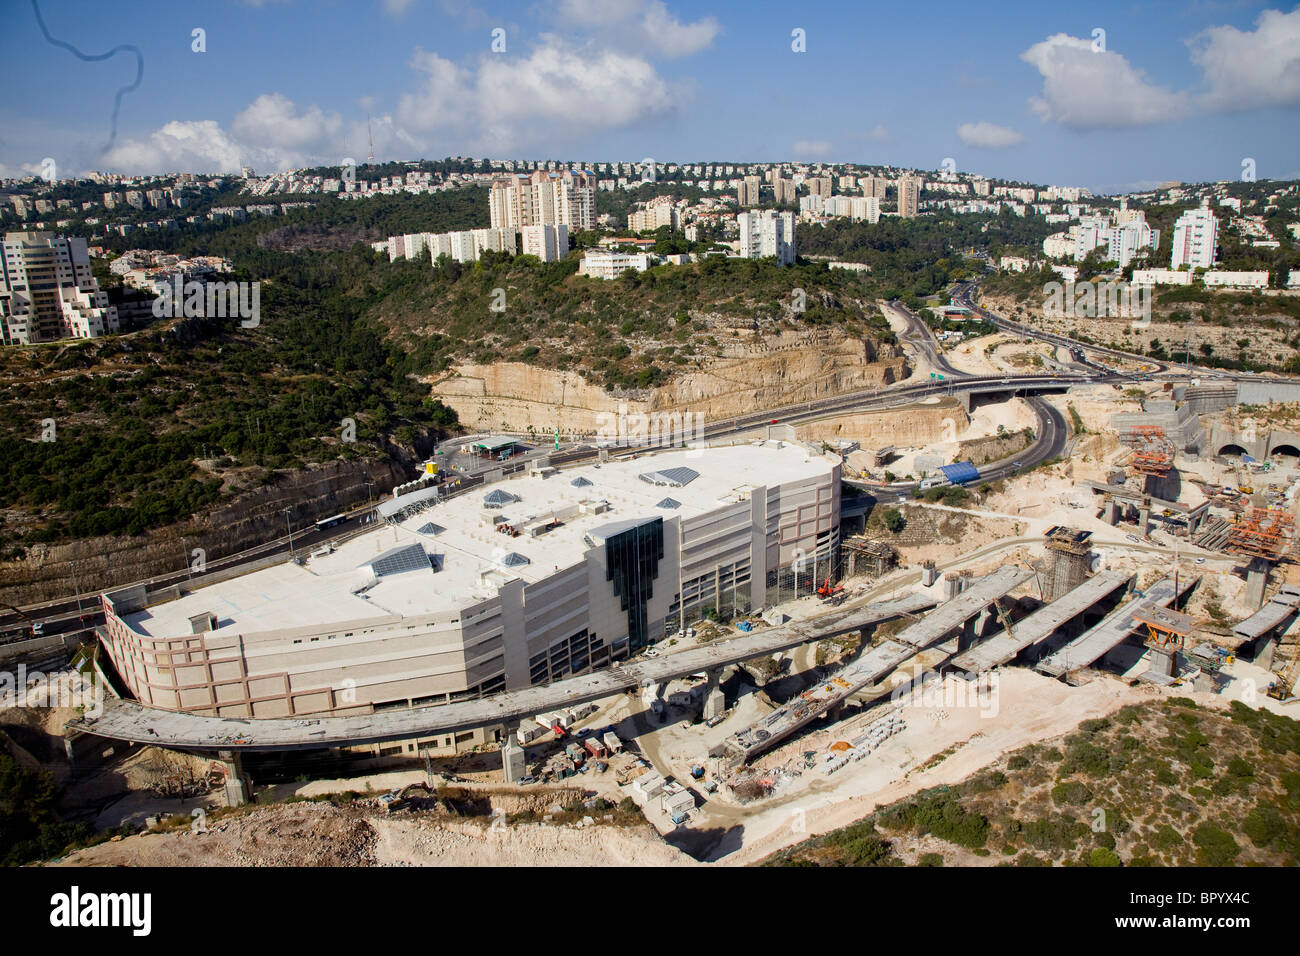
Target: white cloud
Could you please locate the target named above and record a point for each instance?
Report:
(1249, 70)
(1085, 89)
(187, 146)
(641, 26)
(988, 135)
(505, 103)
(272, 120)
(878, 134)
(810, 149)
(395, 8)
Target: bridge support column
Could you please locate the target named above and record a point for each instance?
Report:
(1111, 513)
(238, 784)
(1256, 579)
(715, 702)
(1164, 661)
(513, 761)
(1144, 519)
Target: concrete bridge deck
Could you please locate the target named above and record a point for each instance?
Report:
(1041, 624)
(1276, 612)
(876, 663)
(129, 720)
(1112, 632)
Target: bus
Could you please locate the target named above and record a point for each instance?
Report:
(330, 522)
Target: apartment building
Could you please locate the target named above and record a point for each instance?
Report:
(1196, 236)
(548, 243)
(783, 191)
(658, 212)
(747, 193)
(543, 199)
(47, 291)
(606, 264)
(873, 186)
(767, 233)
(909, 196)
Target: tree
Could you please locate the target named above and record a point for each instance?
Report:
(894, 520)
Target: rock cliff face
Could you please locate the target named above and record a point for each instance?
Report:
(48, 571)
(906, 426)
(747, 376)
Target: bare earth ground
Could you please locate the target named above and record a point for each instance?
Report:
(321, 834)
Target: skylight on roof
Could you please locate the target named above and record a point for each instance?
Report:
(672, 477)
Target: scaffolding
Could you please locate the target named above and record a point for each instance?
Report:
(1264, 533)
(1153, 452)
(1069, 558)
(860, 555)
(1166, 628)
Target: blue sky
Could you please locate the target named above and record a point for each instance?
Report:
(1019, 90)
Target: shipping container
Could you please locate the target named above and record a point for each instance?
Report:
(612, 743)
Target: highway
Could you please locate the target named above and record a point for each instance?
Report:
(963, 294)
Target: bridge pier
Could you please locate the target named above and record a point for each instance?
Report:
(513, 762)
(1111, 512)
(1144, 519)
(1256, 579)
(715, 701)
(238, 784)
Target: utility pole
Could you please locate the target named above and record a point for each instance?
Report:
(185, 556)
(290, 527)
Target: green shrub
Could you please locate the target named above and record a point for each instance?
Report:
(1214, 845)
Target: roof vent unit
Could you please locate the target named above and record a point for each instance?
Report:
(207, 621)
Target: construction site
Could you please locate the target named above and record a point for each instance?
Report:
(1135, 570)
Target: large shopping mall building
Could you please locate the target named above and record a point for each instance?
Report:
(512, 584)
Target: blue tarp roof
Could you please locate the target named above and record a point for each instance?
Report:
(960, 472)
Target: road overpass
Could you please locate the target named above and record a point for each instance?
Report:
(1115, 629)
(951, 618)
(132, 721)
(1042, 624)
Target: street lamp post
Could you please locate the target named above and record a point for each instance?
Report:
(290, 527)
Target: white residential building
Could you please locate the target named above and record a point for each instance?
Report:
(604, 264)
(659, 212)
(1196, 234)
(548, 243)
(1236, 280)
(543, 199)
(767, 233)
(1161, 277)
(48, 292)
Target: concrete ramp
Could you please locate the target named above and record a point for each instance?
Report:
(1040, 625)
(1276, 613)
(875, 663)
(1112, 632)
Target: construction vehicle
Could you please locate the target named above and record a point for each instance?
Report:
(1283, 688)
(828, 590)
